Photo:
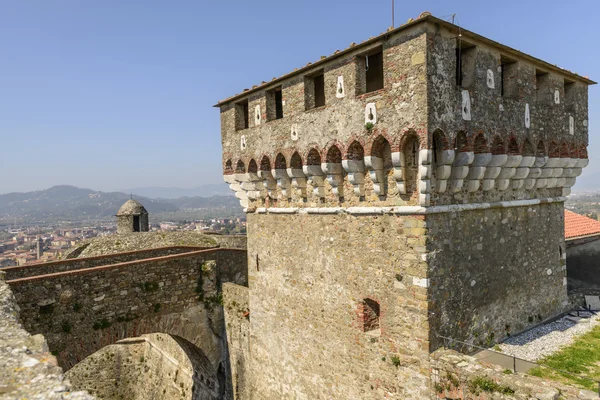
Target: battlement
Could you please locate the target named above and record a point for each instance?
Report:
(426, 114)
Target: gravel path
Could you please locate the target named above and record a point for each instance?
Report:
(548, 338)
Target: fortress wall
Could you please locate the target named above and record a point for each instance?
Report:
(154, 366)
(309, 276)
(495, 272)
(91, 262)
(81, 311)
(237, 329)
(231, 241)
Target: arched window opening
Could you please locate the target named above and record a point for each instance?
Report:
(355, 152)
(334, 155)
(313, 157)
(280, 162)
(382, 149)
(265, 164)
(228, 167)
(481, 145)
(296, 161)
(240, 168)
(528, 149)
(513, 147)
(411, 163)
(461, 143)
(252, 167)
(498, 146)
(541, 149)
(554, 150)
(564, 150)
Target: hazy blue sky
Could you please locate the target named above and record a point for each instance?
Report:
(113, 94)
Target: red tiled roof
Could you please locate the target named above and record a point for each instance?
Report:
(579, 226)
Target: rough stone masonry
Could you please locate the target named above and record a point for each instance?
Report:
(405, 188)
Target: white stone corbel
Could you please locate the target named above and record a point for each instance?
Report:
(425, 171)
(443, 170)
(298, 180)
(535, 179)
(283, 182)
(254, 186)
(378, 175)
(316, 178)
(492, 171)
(333, 171)
(551, 171)
(269, 183)
(398, 164)
(477, 171)
(234, 181)
(460, 169)
(522, 172)
(508, 171)
(356, 175)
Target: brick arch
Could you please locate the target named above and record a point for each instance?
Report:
(381, 148)
(480, 144)
(313, 157)
(462, 143)
(296, 161)
(376, 139)
(408, 136)
(564, 150)
(573, 150)
(439, 141)
(513, 147)
(498, 146)
(265, 163)
(333, 155)
(332, 143)
(527, 148)
(240, 167)
(228, 167)
(540, 151)
(355, 151)
(280, 161)
(312, 146)
(583, 152)
(252, 166)
(554, 150)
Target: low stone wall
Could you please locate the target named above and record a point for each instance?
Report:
(91, 262)
(231, 241)
(237, 329)
(458, 376)
(84, 310)
(155, 366)
(27, 369)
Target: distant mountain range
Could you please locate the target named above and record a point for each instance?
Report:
(72, 203)
(220, 189)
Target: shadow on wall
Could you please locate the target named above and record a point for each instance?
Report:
(151, 366)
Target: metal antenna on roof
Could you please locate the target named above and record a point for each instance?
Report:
(131, 196)
(393, 26)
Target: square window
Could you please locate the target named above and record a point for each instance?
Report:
(508, 77)
(370, 72)
(314, 91)
(242, 116)
(466, 56)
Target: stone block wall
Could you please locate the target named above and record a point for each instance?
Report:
(310, 277)
(91, 262)
(495, 272)
(81, 311)
(237, 329)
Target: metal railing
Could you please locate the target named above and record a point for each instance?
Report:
(505, 360)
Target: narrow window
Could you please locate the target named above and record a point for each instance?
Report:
(242, 115)
(374, 72)
(319, 82)
(274, 104)
(370, 316)
(465, 63)
(542, 87)
(569, 89)
(136, 223)
(508, 77)
(314, 91)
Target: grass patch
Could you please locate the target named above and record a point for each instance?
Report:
(483, 383)
(580, 358)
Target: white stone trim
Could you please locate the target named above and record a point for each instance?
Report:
(408, 210)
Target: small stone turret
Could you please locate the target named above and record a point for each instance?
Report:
(132, 217)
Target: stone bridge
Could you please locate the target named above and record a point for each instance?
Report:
(83, 305)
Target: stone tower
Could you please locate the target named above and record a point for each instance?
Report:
(406, 188)
(132, 217)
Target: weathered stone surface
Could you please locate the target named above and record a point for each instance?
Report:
(27, 369)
